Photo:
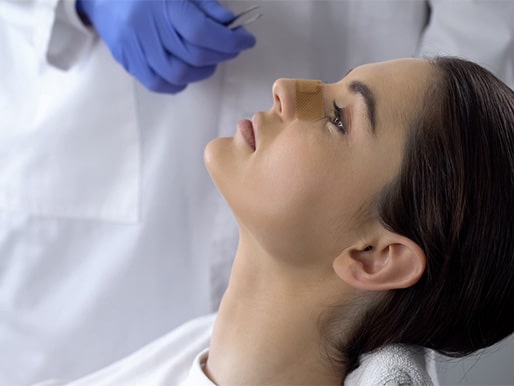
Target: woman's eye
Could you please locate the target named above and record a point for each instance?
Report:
(338, 119)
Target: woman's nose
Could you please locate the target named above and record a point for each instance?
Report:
(284, 98)
(299, 98)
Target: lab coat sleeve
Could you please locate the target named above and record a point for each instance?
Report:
(27, 23)
(69, 37)
(51, 29)
(478, 30)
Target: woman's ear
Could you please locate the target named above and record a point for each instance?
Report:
(388, 261)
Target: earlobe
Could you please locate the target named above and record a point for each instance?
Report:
(389, 262)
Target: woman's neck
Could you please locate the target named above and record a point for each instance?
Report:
(268, 326)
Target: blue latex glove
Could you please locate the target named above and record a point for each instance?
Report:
(166, 44)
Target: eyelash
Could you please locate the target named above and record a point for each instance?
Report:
(338, 119)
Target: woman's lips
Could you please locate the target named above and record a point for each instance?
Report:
(246, 128)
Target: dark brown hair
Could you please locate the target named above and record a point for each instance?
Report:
(454, 196)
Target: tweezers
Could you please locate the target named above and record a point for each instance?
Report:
(246, 17)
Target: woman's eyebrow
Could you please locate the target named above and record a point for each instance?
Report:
(369, 99)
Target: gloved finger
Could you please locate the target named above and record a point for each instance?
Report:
(215, 10)
(197, 28)
(134, 61)
(175, 70)
(163, 87)
(175, 44)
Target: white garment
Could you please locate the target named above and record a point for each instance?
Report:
(178, 359)
(111, 232)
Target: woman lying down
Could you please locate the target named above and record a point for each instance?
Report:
(376, 220)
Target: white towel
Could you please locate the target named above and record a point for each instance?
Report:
(394, 365)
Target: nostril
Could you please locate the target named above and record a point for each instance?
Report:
(277, 103)
(283, 97)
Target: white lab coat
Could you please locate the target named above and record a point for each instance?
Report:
(111, 232)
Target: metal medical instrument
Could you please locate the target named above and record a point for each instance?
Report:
(244, 18)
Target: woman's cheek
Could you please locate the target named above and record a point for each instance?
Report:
(294, 173)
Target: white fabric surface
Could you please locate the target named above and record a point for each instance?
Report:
(111, 232)
(394, 365)
(178, 358)
(172, 360)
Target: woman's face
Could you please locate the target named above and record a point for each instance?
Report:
(301, 188)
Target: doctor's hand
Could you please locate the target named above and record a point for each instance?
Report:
(166, 44)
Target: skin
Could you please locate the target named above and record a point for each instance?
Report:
(306, 242)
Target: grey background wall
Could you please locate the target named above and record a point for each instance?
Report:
(493, 366)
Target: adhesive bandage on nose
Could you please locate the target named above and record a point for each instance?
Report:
(309, 100)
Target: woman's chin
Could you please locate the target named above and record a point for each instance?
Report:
(217, 157)
(212, 152)
(221, 164)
